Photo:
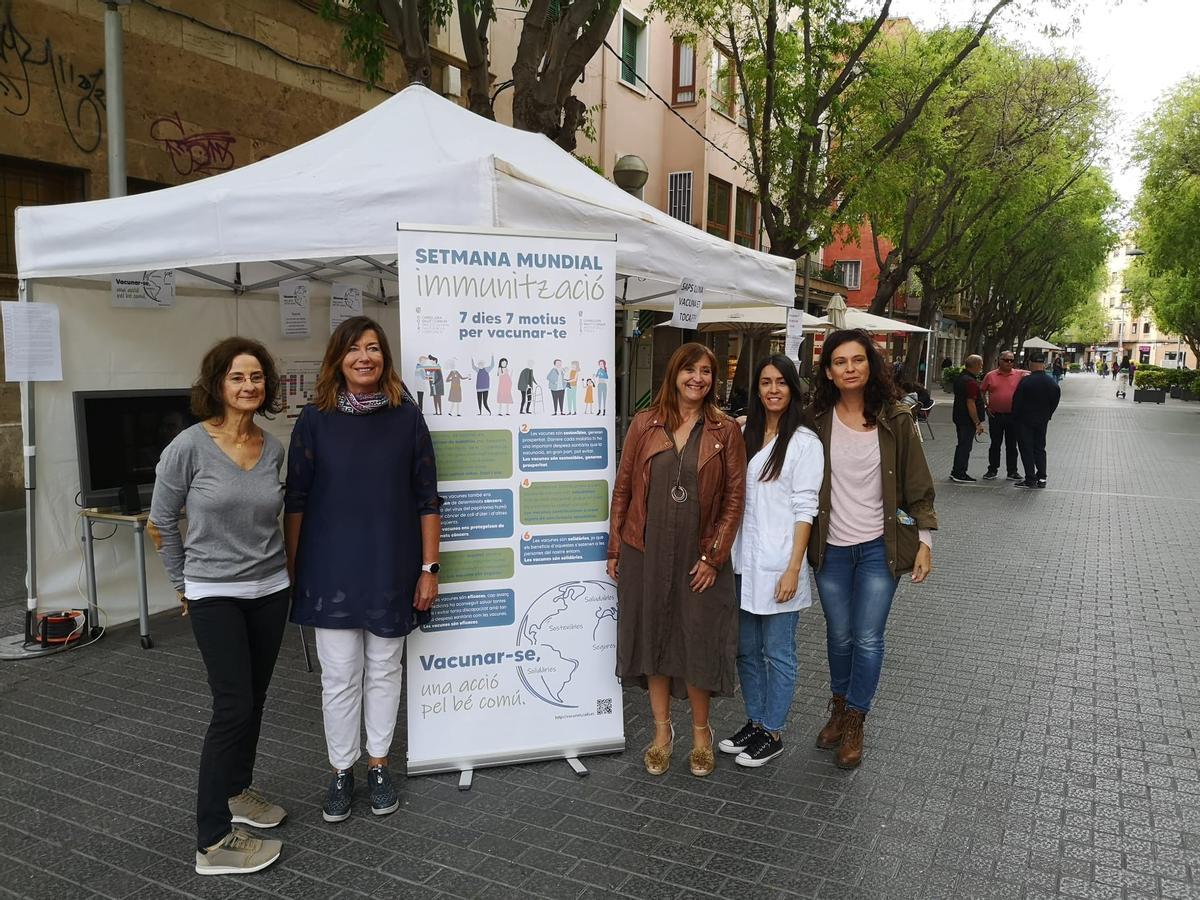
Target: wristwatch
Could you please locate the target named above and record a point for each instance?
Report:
(431, 568)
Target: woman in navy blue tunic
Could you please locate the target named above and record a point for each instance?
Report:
(361, 520)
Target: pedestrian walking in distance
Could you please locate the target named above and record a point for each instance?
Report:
(232, 579)
(875, 515)
(968, 416)
(1034, 402)
(783, 478)
(997, 388)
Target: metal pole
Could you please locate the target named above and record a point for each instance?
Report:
(30, 452)
(114, 95)
(805, 350)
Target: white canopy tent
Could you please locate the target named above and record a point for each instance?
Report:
(326, 210)
(747, 319)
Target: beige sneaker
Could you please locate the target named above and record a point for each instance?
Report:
(251, 808)
(238, 853)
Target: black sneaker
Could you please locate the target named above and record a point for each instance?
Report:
(990, 474)
(1040, 483)
(1014, 476)
(339, 797)
(738, 742)
(1023, 483)
(962, 479)
(384, 799)
(764, 748)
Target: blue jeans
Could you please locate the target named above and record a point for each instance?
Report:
(856, 588)
(766, 664)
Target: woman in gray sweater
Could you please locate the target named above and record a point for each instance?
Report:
(231, 576)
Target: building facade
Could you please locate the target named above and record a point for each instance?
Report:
(208, 87)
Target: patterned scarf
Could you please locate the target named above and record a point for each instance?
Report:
(361, 404)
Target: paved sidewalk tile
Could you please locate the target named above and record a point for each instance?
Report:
(1035, 734)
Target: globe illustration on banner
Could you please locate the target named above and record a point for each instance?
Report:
(572, 629)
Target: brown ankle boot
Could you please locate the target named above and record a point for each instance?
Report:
(831, 734)
(850, 750)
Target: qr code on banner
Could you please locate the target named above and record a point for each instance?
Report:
(604, 707)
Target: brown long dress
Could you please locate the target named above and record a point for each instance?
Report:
(663, 627)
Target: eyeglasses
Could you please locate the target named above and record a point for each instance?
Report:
(1008, 359)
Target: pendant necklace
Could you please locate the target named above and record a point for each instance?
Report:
(678, 492)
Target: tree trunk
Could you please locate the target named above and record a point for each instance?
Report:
(473, 24)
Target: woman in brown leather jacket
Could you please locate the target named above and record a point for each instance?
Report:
(674, 517)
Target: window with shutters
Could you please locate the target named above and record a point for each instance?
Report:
(679, 196)
(683, 87)
(745, 221)
(850, 271)
(720, 197)
(633, 51)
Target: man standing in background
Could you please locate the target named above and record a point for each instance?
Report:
(968, 416)
(998, 387)
(1034, 402)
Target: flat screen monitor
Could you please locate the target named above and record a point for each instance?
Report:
(120, 435)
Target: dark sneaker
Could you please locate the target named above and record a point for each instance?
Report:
(384, 799)
(339, 797)
(990, 474)
(1023, 483)
(238, 853)
(1041, 483)
(962, 479)
(252, 808)
(1014, 476)
(764, 748)
(738, 742)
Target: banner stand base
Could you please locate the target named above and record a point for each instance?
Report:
(465, 777)
(576, 766)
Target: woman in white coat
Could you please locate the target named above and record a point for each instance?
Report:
(783, 478)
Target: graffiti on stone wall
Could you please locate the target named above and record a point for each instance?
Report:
(202, 153)
(80, 91)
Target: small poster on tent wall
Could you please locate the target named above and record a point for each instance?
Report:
(345, 302)
(32, 347)
(294, 307)
(152, 289)
(795, 333)
(689, 300)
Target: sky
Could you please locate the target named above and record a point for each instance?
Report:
(1138, 50)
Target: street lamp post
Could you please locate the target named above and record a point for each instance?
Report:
(630, 174)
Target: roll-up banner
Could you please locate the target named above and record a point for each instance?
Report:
(507, 339)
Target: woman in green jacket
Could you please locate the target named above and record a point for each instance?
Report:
(875, 515)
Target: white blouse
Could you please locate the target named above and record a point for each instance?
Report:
(763, 546)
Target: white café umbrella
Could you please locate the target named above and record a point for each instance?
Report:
(860, 318)
(835, 312)
(1036, 343)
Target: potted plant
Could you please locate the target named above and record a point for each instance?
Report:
(1189, 385)
(948, 375)
(1151, 385)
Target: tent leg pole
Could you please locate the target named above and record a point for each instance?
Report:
(749, 368)
(28, 424)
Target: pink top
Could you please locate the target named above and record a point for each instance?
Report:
(1000, 388)
(856, 487)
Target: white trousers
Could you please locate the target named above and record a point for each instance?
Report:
(361, 678)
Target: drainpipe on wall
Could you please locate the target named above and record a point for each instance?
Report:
(114, 94)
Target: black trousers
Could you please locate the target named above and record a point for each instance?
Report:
(557, 397)
(1033, 450)
(962, 450)
(239, 642)
(421, 401)
(527, 400)
(1003, 429)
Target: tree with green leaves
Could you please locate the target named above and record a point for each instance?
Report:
(1086, 325)
(1167, 215)
(807, 86)
(558, 38)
